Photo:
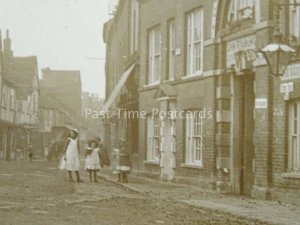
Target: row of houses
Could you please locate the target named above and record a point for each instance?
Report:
(35, 113)
(19, 98)
(230, 124)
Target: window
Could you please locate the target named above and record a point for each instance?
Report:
(194, 138)
(12, 99)
(134, 24)
(241, 9)
(294, 137)
(153, 145)
(154, 70)
(171, 50)
(295, 19)
(195, 42)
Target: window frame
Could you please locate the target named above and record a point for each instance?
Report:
(192, 150)
(294, 17)
(194, 67)
(153, 138)
(154, 55)
(237, 7)
(171, 52)
(294, 137)
(134, 26)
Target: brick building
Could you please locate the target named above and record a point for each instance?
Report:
(231, 125)
(122, 74)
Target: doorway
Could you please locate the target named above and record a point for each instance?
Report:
(247, 131)
(242, 147)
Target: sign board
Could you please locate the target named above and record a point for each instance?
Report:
(287, 87)
(292, 72)
(261, 103)
(247, 47)
(239, 45)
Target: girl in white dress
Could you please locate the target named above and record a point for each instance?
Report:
(92, 161)
(72, 155)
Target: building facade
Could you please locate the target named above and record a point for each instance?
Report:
(213, 113)
(19, 101)
(121, 35)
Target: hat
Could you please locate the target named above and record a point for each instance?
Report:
(90, 141)
(75, 130)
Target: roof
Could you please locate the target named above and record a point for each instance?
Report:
(61, 81)
(21, 72)
(64, 86)
(165, 90)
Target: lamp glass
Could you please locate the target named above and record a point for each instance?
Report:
(278, 57)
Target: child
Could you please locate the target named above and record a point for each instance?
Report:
(124, 163)
(92, 161)
(72, 155)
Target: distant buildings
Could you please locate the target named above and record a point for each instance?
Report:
(19, 100)
(93, 125)
(60, 108)
(35, 113)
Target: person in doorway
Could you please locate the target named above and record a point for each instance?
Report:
(72, 155)
(92, 161)
(124, 162)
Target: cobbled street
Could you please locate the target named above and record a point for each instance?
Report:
(38, 194)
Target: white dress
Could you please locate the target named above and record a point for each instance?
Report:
(92, 161)
(72, 155)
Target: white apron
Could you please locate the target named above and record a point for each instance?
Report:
(72, 155)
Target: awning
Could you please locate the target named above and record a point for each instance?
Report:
(117, 89)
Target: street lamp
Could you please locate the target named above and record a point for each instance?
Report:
(278, 54)
(278, 57)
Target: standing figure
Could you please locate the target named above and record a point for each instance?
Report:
(124, 163)
(92, 161)
(104, 159)
(72, 155)
(30, 153)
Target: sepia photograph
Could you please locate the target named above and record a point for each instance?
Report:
(149, 112)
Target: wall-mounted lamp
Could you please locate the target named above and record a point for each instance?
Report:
(278, 57)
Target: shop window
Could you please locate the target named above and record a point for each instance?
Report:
(194, 138)
(153, 143)
(154, 56)
(294, 137)
(194, 42)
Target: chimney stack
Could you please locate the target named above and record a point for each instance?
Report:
(7, 45)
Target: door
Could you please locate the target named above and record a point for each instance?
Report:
(247, 130)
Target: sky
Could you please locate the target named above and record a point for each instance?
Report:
(63, 34)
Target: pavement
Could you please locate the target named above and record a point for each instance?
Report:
(246, 207)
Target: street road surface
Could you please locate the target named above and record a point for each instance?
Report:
(38, 194)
